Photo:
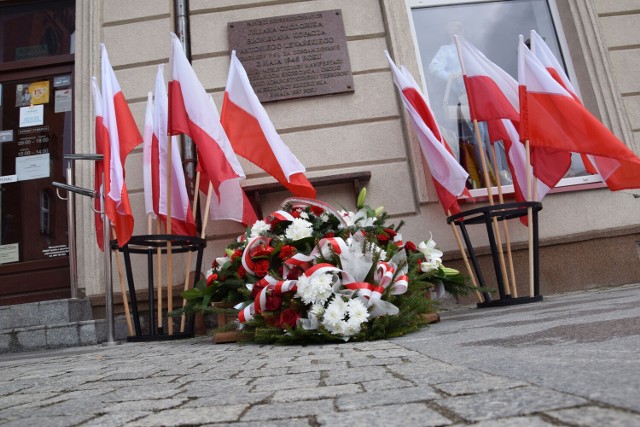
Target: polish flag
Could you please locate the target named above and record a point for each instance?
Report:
(146, 157)
(253, 135)
(123, 136)
(552, 118)
(191, 111)
(616, 175)
(494, 95)
(102, 138)
(182, 221)
(448, 176)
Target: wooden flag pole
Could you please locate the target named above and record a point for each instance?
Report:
(123, 291)
(474, 282)
(188, 265)
(159, 274)
(507, 238)
(529, 216)
(169, 261)
(496, 229)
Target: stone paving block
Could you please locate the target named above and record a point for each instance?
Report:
(189, 417)
(52, 421)
(481, 384)
(533, 421)
(145, 405)
(596, 416)
(389, 397)
(508, 403)
(307, 379)
(117, 419)
(413, 414)
(211, 398)
(267, 372)
(196, 388)
(160, 391)
(291, 422)
(315, 393)
(33, 338)
(355, 375)
(341, 366)
(374, 361)
(276, 411)
(63, 335)
(386, 384)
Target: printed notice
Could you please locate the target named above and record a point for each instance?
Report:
(32, 167)
(32, 115)
(63, 101)
(9, 253)
(6, 179)
(56, 251)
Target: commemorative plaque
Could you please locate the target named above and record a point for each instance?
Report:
(294, 56)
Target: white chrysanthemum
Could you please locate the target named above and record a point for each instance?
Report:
(316, 290)
(317, 310)
(299, 229)
(208, 273)
(260, 228)
(357, 311)
(220, 261)
(304, 215)
(324, 217)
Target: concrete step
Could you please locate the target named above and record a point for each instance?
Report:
(41, 337)
(43, 313)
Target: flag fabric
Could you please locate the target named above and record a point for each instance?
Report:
(448, 176)
(493, 97)
(123, 136)
(182, 221)
(253, 135)
(102, 138)
(192, 111)
(615, 174)
(552, 118)
(147, 138)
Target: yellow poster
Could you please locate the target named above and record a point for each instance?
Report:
(39, 92)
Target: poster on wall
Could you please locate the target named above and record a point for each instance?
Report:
(35, 93)
(62, 101)
(9, 253)
(32, 115)
(32, 167)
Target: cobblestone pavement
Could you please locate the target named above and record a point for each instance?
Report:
(569, 360)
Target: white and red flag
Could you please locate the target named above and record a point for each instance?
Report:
(552, 118)
(253, 135)
(182, 221)
(616, 175)
(147, 136)
(102, 138)
(494, 96)
(123, 136)
(192, 112)
(448, 176)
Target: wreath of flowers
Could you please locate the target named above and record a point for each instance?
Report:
(309, 273)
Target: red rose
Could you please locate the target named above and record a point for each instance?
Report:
(294, 273)
(383, 238)
(295, 214)
(410, 246)
(390, 231)
(261, 250)
(288, 318)
(316, 210)
(242, 272)
(329, 234)
(236, 254)
(274, 302)
(261, 267)
(287, 252)
(211, 279)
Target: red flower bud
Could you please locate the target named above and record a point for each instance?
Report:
(211, 279)
(391, 232)
(410, 246)
(288, 318)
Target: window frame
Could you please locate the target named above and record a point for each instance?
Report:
(577, 183)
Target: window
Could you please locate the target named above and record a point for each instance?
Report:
(493, 27)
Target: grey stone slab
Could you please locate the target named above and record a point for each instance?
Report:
(23, 315)
(53, 312)
(49, 421)
(92, 331)
(145, 405)
(481, 384)
(79, 310)
(20, 399)
(339, 366)
(190, 417)
(291, 422)
(211, 398)
(307, 379)
(276, 411)
(389, 397)
(386, 384)
(596, 416)
(34, 338)
(374, 361)
(266, 372)
(196, 388)
(413, 414)
(508, 403)
(6, 321)
(63, 335)
(5, 340)
(315, 393)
